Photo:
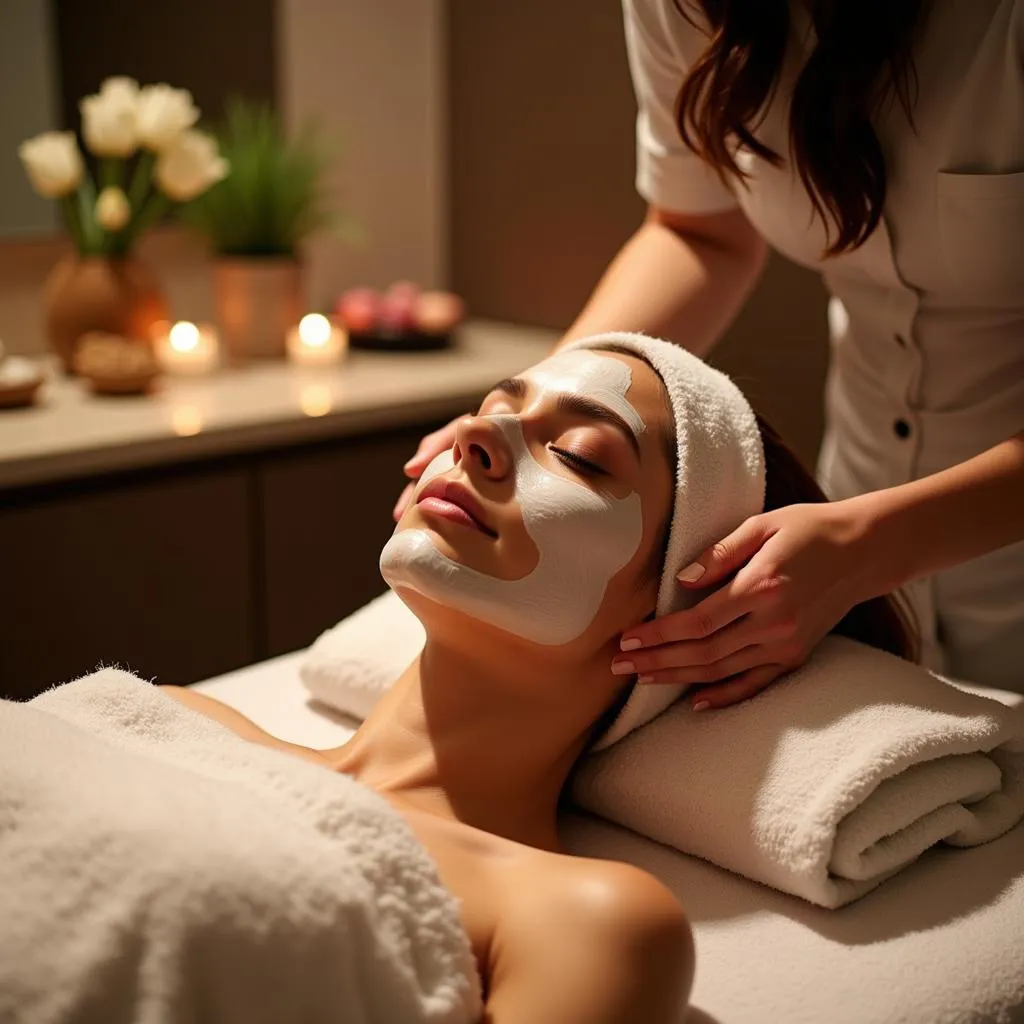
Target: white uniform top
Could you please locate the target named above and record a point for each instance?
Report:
(927, 317)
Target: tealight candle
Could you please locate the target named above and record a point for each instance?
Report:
(316, 341)
(188, 348)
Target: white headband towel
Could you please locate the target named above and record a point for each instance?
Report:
(720, 482)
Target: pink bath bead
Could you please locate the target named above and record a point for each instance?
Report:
(438, 312)
(397, 308)
(402, 291)
(359, 309)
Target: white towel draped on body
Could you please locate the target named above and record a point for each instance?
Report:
(156, 867)
(825, 784)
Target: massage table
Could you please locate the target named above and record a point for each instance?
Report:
(940, 943)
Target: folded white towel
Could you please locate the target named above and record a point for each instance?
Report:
(822, 786)
(156, 867)
(828, 782)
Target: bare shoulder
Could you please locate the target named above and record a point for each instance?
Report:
(591, 940)
(602, 893)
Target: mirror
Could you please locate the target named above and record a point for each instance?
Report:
(54, 52)
(28, 83)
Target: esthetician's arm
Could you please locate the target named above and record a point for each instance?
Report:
(681, 276)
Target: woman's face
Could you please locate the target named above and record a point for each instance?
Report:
(543, 518)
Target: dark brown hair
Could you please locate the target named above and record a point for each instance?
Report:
(861, 59)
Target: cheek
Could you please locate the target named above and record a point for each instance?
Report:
(438, 465)
(586, 538)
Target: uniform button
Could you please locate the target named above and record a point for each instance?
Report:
(902, 429)
(900, 340)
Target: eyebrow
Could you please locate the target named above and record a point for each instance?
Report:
(577, 405)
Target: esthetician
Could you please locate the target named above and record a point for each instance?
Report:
(881, 142)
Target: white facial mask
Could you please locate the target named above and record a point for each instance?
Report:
(583, 538)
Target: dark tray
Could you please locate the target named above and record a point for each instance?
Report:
(407, 341)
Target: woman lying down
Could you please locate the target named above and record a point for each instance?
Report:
(560, 518)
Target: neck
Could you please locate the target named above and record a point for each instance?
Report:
(487, 738)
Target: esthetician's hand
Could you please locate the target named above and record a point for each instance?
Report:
(430, 447)
(798, 571)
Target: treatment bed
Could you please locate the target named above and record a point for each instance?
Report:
(940, 943)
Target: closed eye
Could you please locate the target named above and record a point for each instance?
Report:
(574, 461)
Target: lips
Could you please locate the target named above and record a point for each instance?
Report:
(449, 498)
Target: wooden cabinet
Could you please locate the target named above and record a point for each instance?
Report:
(325, 515)
(189, 571)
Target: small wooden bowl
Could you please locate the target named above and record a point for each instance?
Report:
(19, 395)
(138, 384)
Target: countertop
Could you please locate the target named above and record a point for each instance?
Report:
(71, 433)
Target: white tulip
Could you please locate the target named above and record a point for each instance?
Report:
(113, 210)
(164, 113)
(190, 166)
(110, 118)
(53, 163)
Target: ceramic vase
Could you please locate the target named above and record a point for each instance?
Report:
(97, 293)
(258, 301)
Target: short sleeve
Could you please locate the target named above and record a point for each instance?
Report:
(668, 173)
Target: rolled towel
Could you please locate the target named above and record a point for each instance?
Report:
(825, 784)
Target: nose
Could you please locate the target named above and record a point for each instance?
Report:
(480, 442)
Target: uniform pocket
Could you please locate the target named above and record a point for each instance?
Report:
(981, 232)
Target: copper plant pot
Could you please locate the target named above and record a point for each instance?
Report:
(258, 301)
(96, 293)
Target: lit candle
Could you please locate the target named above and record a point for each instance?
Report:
(188, 348)
(316, 341)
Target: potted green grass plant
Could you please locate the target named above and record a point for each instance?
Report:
(256, 220)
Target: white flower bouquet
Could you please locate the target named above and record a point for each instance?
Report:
(149, 157)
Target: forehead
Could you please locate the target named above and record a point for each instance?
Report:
(623, 383)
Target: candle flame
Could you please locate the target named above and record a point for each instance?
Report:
(184, 337)
(314, 330)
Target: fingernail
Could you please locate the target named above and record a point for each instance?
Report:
(644, 679)
(414, 461)
(623, 668)
(631, 644)
(691, 573)
(701, 705)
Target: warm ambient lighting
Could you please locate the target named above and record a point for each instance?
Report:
(187, 348)
(315, 400)
(316, 341)
(186, 420)
(183, 336)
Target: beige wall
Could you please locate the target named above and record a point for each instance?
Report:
(371, 73)
(541, 153)
(496, 138)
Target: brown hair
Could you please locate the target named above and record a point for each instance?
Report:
(862, 57)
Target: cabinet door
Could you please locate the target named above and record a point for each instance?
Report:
(326, 516)
(149, 574)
